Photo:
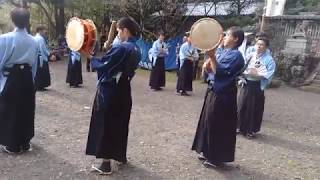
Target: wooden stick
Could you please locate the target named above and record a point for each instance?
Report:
(111, 35)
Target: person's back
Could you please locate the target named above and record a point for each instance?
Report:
(43, 78)
(134, 58)
(23, 48)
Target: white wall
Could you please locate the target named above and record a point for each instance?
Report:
(275, 7)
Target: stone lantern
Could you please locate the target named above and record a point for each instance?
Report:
(295, 57)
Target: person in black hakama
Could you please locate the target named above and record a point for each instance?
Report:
(158, 74)
(74, 74)
(215, 137)
(184, 39)
(108, 133)
(257, 76)
(178, 58)
(188, 54)
(18, 65)
(42, 79)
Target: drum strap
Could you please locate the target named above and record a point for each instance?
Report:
(245, 66)
(240, 76)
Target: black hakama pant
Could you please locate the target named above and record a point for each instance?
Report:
(250, 107)
(74, 74)
(88, 66)
(109, 126)
(178, 65)
(158, 74)
(17, 108)
(185, 76)
(195, 69)
(216, 132)
(42, 79)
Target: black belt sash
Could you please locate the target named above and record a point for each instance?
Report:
(16, 67)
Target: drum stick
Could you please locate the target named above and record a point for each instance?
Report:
(111, 35)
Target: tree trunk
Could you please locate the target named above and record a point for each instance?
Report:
(215, 9)
(56, 17)
(46, 12)
(239, 7)
(62, 19)
(25, 5)
(59, 18)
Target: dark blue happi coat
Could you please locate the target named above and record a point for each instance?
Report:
(229, 65)
(122, 58)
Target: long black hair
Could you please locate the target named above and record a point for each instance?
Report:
(237, 32)
(130, 24)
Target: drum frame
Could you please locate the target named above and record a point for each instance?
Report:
(90, 35)
(215, 44)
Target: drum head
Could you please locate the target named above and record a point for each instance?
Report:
(206, 33)
(75, 34)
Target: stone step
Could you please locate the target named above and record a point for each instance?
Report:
(311, 88)
(315, 85)
(316, 81)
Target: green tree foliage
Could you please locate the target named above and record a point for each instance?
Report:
(241, 21)
(88, 9)
(311, 5)
(296, 6)
(152, 15)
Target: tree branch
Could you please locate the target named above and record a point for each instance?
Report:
(15, 3)
(187, 16)
(212, 5)
(38, 2)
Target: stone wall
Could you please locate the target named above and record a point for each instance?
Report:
(283, 27)
(294, 63)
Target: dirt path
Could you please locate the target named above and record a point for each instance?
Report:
(161, 133)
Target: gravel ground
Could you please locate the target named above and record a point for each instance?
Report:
(162, 128)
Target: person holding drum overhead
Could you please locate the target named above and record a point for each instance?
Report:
(74, 73)
(18, 65)
(188, 54)
(42, 79)
(108, 133)
(159, 52)
(215, 136)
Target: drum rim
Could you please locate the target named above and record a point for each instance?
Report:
(82, 37)
(95, 33)
(205, 19)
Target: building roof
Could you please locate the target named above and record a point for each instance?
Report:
(222, 8)
(295, 17)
